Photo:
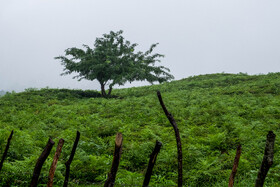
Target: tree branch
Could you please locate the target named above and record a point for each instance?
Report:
(178, 140)
(235, 165)
(116, 160)
(267, 159)
(6, 150)
(54, 163)
(152, 162)
(69, 161)
(40, 162)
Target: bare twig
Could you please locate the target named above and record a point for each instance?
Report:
(178, 139)
(6, 150)
(152, 162)
(54, 163)
(235, 165)
(40, 162)
(116, 160)
(267, 159)
(69, 161)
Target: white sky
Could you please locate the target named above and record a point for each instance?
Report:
(196, 36)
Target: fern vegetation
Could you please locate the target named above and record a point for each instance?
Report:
(214, 113)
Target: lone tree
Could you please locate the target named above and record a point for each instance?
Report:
(113, 61)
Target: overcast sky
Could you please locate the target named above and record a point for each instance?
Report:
(196, 36)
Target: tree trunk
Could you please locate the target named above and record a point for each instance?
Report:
(267, 159)
(103, 91)
(178, 140)
(110, 90)
(235, 165)
(67, 164)
(6, 150)
(54, 163)
(116, 160)
(40, 162)
(152, 162)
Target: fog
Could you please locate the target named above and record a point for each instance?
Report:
(196, 37)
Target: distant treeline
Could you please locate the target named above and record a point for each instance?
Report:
(2, 92)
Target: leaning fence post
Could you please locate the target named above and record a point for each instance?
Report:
(116, 160)
(235, 165)
(54, 163)
(6, 150)
(40, 162)
(267, 159)
(152, 162)
(69, 161)
(178, 140)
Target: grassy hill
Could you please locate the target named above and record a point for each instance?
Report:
(214, 113)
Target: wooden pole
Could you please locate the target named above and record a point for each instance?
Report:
(54, 163)
(6, 150)
(267, 159)
(40, 162)
(67, 164)
(235, 165)
(116, 160)
(178, 140)
(152, 162)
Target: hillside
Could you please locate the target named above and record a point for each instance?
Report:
(214, 113)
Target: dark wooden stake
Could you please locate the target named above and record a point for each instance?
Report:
(54, 163)
(267, 159)
(116, 160)
(152, 162)
(235, 165)
(67, 164)
(6, 150)
(40, 162)
(178, 139)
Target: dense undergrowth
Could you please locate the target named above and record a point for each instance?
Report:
(214, 113)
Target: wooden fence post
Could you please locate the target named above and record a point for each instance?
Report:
(54, 163)
(178, 140)
(6, 150)
(40, 162)
(69, 161)
(116, 160)
(267, 159)
(235, 165)
(152, 162)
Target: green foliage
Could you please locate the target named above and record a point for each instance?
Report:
(113, 61)
(214, 113)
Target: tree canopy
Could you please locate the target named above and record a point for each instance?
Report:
(113, 61)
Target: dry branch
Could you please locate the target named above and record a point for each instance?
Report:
(116, 160)
(178, 140)
(152, 162)
(6, 150)
(54, 163)
(69, 161)
(40, 162)
(235, 165)
(267, 159)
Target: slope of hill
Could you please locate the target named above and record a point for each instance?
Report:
(214, 113)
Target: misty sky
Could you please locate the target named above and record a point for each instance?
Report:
(196, 36)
